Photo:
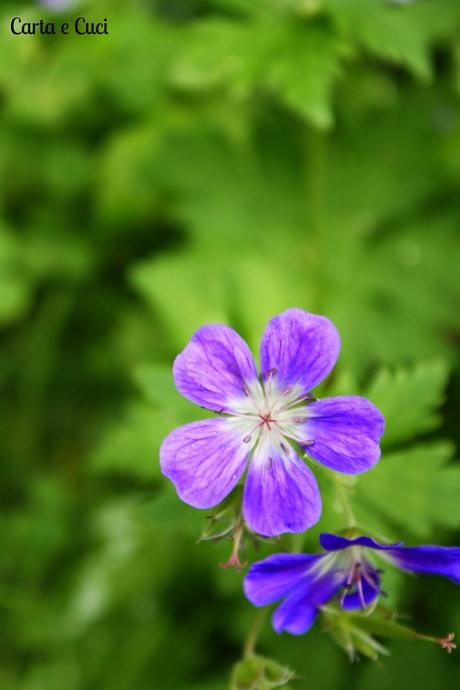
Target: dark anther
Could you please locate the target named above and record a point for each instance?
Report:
(270, 463)
(271, 372)
(348, 587)
(284, 447)
(246, 439)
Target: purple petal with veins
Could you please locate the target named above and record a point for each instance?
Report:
(214, 368)
(345, 432)
(281, 493)
(205, 460)
(300, 347)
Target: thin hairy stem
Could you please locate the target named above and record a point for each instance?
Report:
(253, 634)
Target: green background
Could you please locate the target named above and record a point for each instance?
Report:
(216, 161)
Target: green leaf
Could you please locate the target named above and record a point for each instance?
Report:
(222, 53)
(187, 291)
(303, 71)
(400, 34)
(409, 399)
(297, 61)
(130, 161)
(411, 492)
(166, 512)
(156, 382)
(130, 445)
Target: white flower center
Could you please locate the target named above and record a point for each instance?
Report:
(269, 414)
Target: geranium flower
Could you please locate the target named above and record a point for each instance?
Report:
(59, 4)
(306, 582)
(263, 418)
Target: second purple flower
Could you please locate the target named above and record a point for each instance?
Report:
(264, 420)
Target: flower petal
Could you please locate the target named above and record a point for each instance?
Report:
(298, 611)
(301, 347)
(204, 460)
(281, 493)
(214, 368)
(296, 615)
(431, 560)
(345, 432)
(333, 542)
(275, 576)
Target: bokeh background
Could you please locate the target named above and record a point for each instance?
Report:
(216, 161)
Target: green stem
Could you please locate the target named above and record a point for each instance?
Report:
(297, 541)
(253, 634)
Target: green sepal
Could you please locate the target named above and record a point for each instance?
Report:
(259, 673)
(355, 631)
(225, 518)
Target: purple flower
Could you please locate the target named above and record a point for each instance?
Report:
(306, 582)
(58, 4)
(206, 460)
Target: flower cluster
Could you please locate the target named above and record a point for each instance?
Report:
(265, 424)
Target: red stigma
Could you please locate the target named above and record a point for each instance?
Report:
(266, 419)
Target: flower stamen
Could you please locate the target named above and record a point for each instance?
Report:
(357, 573)
(308, 397)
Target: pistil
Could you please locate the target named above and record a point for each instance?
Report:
(266, 419)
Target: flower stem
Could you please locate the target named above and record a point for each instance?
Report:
(343, 496)
(297, 542)
(253, 634)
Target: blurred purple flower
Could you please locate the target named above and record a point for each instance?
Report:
(306, 582)
(216, 370)
(58, 4)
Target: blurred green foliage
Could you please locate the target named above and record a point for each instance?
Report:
(216, 160)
